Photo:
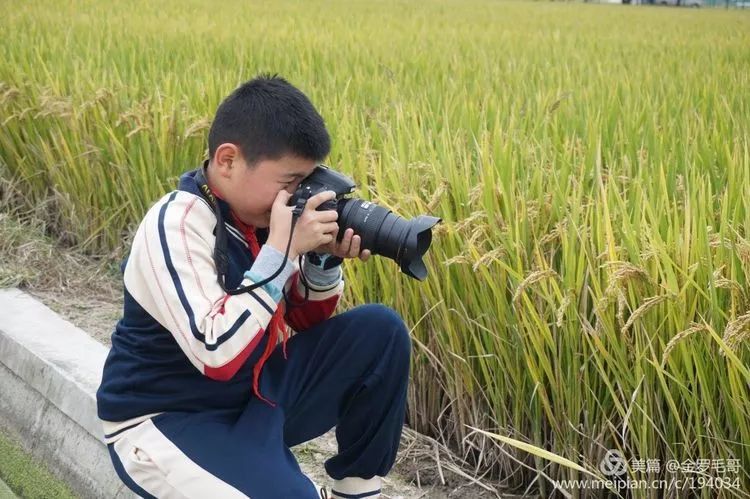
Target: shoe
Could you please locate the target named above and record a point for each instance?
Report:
(324, 494)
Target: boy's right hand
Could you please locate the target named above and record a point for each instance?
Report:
(313, 228)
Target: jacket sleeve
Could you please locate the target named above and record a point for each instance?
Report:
(171, 273)
(325, 290)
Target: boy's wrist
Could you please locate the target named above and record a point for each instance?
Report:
(268, 261)
(281, 248)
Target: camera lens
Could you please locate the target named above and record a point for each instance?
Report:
(387, 234)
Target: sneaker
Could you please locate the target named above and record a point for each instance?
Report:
(324, 494)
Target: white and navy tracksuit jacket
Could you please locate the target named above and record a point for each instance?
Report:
(176, 400)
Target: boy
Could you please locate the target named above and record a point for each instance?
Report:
(185, 408)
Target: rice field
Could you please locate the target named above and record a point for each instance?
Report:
(588, 287)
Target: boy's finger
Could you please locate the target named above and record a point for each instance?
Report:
(348, 233)
(320, 198)
(327, 216)
(342, 247)
(329, 228)
(282, 197)
(356, 242)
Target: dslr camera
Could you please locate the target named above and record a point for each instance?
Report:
(382, 231)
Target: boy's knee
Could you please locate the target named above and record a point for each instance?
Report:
(380, 315)
(388, 323)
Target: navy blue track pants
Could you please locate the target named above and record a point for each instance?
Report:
(350, 372)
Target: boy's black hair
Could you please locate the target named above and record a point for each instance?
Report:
(268, 118)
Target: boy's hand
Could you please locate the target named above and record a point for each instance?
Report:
(349, 247)
(313, 228)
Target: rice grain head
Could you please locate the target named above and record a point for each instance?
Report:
(197, 127)
(490, 256)
(437, 196)
(647, 304)
(8, 92)
(624, 273)
(622, 304)
(736, 332)
(532, 278)
(471, 220)
(627, 271)
(457, 260)
(725, 283)
(743, 250)
(715, 240)
(694, 328)
(475, 192)
(560, 315)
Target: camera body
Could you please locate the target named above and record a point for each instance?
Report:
(323, 179)
(382, 231)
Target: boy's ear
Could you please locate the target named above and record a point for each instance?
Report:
(226, 157)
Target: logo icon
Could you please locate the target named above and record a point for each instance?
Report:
(613, 463)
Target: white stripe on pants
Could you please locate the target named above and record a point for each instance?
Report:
(163, 470)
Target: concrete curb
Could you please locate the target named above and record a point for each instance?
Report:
(5, 492)
(49, 373)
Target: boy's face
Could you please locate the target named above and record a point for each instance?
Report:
(251, 191)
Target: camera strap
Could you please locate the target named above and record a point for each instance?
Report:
(221, 259)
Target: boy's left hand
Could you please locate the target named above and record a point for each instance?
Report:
(349, 247)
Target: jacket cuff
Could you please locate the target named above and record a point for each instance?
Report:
(317, 276)
(267, 262)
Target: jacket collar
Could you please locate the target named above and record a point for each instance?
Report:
(195, 182)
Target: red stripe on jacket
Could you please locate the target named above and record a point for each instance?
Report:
(312, 312)
(228, 370)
